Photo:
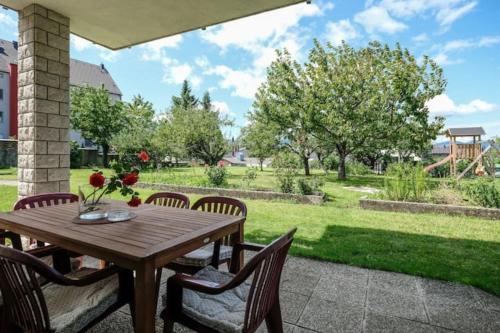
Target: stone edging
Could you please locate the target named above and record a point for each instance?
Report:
(417, 207)
(264, 195)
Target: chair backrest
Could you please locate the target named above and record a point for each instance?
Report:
(44, 200)
(168, 199)
(221, 205)
(266, 267)
(21, 292)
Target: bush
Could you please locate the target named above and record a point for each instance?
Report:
(483, 192)
(285, 171)
(250, 176)
(331, 162)
(75, 158)
(462, 165)
(308, 186)
(217, 175)
(406, 182)
(356, 168)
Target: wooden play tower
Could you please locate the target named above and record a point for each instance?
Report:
(465, 151)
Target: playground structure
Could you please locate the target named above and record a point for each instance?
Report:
(464, 151)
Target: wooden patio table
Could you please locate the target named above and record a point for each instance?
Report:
(155, 237)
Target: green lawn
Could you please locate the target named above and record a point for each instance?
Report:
(458, 249)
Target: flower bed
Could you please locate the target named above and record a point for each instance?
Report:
(263, 195)
(417, 207)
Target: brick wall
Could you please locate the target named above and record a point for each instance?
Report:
(43, 109)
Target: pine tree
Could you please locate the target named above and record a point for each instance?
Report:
(186, 100)
(206, 102)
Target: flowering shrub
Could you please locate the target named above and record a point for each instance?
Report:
(216, 175)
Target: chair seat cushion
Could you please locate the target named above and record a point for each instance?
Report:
(203, 256)
(224, 312)
(72, 308)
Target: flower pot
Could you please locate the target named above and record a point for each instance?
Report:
(93, 203)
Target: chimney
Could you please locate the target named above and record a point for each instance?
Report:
(14, 43)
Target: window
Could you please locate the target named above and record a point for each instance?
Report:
(1, 117)
(1, 94)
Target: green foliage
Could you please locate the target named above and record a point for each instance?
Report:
(260, 139)
(285, 171)
(357, 168)
(75, 158)
(186, 100)
(483, 192)
(406, 182)
(96, 116)
(441, 171)
(462, 165)
(250, 176)
(217, 175)
(308, 186)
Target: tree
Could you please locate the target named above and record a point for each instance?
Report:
(206, 102)
(96, 116)
(186, 100)
(260, 140)
(372, 98)
(284, 101)
(139, 131)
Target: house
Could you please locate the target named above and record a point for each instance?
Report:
(81, 74)
(240, 158)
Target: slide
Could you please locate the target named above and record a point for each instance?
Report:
(435, 165)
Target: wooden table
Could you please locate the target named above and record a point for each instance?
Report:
(154, 238)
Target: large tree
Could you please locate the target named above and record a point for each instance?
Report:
(372, 98)
(96, 116)
(284, 101)
(186, 100)
(260, 140)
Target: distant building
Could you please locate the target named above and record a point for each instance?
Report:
(239, 158)
(81, 74)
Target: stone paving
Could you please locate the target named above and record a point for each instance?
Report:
(326, 297)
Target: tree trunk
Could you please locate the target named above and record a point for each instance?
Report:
(305, 161)
(261, 162)
(342, 173)
(105, 151)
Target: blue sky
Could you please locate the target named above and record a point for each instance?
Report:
(229, 60)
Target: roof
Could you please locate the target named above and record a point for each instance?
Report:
(465, 131)
(440, 150)
(81, 73)
(116, 24)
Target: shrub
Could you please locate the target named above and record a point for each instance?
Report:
(462, 165)
(483, 192)
(331, 162)
(308, 186)
(250, 176)
(217, 175)
(406, 182)
(75, 158)
(285, 171)
(356, 168)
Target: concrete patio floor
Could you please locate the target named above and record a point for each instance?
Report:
(326, 297)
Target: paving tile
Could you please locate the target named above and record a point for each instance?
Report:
(304, 266)
(464, 318)
(375, 323)
(346, 272)
(346, 291)
(326, 316)
(287, 328)
(490, 301)
(394, 281)
(116, 322)
(441, 293)
(299, 283)
(393, 303)
(292, 305)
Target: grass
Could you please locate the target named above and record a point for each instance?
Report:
(460, 249)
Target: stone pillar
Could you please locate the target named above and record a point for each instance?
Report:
(43, 106)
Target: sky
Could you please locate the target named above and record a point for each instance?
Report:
(230, 60)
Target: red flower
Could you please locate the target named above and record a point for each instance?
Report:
(143, 156)
(130, 179)
(134, 202)
(221, 163)
(97, 179)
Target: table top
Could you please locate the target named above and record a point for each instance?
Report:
(156, 231)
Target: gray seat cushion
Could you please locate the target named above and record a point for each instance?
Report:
(203, 256)
(223, 312)
(73, 308)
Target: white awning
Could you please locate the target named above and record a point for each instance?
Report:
(116, 24)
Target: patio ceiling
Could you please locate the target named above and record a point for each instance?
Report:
(117, 24)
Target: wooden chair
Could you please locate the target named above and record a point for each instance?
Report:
(71, 303)
(218, 252)
(214, 301)
(168, 199)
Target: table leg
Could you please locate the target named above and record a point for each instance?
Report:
(238, 237)
(145, 298)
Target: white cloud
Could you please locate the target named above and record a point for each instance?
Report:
(376, 19)
(444, 105)
(343, 30)
(488, 41)
(222, 107)
(81, 44)
(420, 38)
(155, 50)
(202, 61)
(443, 60)
(243, 82)
(7, 20)
(459, 45)
(175, 72)
(446, 16)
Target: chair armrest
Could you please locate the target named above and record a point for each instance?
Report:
(249, 246)
(44, 251)
(192, 283)
(94, 277)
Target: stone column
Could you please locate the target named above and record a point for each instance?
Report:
(43, 106)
